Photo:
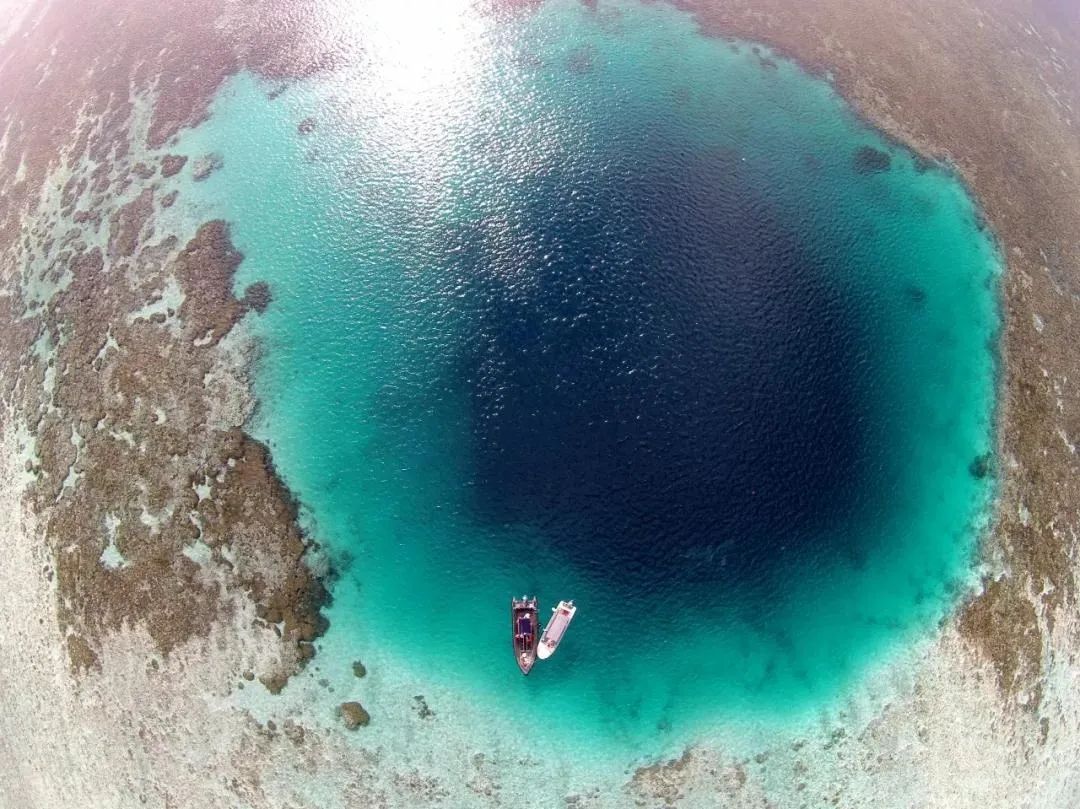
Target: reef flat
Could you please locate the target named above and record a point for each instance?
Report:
(122, 363)
(984, 713)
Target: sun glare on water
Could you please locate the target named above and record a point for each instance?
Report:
(436, 91)
(417, 49)
(417, 84)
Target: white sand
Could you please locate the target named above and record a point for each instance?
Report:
(12, 14)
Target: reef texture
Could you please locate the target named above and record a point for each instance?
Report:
(153, 563)
(120, 362)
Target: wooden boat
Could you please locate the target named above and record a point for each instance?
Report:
(561, 616)
(523, 627)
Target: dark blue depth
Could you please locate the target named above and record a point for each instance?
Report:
(660, 377)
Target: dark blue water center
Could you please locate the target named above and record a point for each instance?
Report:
(661, 379)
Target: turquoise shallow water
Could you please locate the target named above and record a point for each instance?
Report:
(583, 303)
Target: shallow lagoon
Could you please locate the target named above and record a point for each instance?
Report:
(584, 304)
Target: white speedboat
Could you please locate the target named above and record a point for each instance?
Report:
(561, 616)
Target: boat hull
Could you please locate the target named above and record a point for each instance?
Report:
(561, 616)
(523, 632)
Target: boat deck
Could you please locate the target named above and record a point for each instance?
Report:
(557, 626)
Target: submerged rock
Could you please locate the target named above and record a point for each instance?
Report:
(421, 707)
(206, 165)
(257, 296)
(274, 682)
(982, 466)
(127, 223)
(172, 163)
(293, 732)
(869, 160)
(354, 715)
(915, 294)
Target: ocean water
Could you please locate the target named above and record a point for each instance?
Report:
(578, 302)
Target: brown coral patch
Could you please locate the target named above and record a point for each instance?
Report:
(103, 358)
(127, 223)
(205, 269)
(661, 782)
(353, 715)
(171, 164)
(257, 296)
(82, 657)
(127, 437)
(1004, 625)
